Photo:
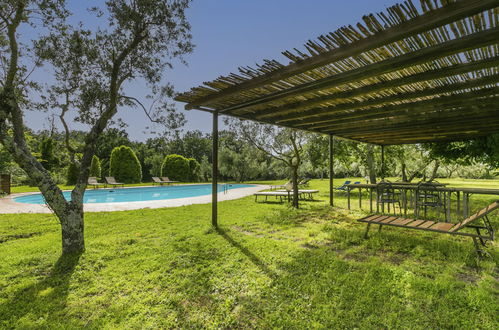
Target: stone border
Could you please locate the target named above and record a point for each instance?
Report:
(9, 206)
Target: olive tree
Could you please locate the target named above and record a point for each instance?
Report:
(283, 144)
(135, 40)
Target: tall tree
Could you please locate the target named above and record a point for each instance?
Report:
(137, 40)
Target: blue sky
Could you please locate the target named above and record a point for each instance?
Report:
(232, 33)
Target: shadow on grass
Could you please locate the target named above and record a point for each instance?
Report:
(44, 299)
(251, 256)
(355, 283)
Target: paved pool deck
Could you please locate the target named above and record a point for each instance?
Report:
(9, 206)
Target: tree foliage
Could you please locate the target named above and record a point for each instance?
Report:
(124, 165)
(484, 150)
(91, 67)
(48, 157)
(176, 167)
(95, 168)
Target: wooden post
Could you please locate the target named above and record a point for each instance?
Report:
(360, 198)
(382, 163)
(348, 196)
(331, 169)
(371, 199)
(448, 206)
(214, 175)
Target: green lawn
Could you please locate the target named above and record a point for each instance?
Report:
(268, 266)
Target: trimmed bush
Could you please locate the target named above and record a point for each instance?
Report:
(194, 169)
(72, 174)
(95, 169)
(124, 165)
(176, 167)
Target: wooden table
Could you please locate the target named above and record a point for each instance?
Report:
(440, 187)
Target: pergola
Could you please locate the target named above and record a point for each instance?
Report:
(407, 75)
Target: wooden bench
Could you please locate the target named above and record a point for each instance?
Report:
(441, 227)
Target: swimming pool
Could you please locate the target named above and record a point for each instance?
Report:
(139, 194)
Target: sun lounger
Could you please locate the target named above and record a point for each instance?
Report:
(276, 194)
(280, 186)
(110, 180)
(304, 182)
(92, 181)
(302, 193)
(343, 187)
(156, 180)
(442, 227)
(167, 180)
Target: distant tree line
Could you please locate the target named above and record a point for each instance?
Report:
(240, 160)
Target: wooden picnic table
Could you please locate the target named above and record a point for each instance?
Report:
(440, 187)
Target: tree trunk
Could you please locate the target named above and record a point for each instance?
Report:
(404, 172)
(371, 168)
(434, 172)
(294, 172)
(73, 230)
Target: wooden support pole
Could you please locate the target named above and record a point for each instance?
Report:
(214, 175)
(348, 196)
(382, 162)
(331, 169)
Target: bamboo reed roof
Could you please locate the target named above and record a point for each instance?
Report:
(408, 75)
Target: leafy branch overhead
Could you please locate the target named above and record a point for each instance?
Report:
(129, 41)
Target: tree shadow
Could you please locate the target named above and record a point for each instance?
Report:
(44, 299)
(251, 256)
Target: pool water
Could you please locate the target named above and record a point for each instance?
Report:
(139, 194)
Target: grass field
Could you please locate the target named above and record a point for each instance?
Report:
(267, 266)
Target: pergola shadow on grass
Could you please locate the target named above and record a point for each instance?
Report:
(407, 75)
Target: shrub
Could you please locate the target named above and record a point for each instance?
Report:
(72, 174)
(176, 167)
(124, 165)
(95, 168)
(194, 169)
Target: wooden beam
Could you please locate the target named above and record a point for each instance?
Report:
(430, 20)
(404, 81)
(431, 113)
(454, 46)
(431, 139)
(320, 113)
(452, 100)
(425, 128)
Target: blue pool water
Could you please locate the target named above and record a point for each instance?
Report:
(138, 194)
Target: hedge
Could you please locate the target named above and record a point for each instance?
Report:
(124, 165)
(176, 168)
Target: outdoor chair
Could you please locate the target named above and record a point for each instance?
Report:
(343, 187)
(110, 180)
(479, 238)
(92, 181)
(427, 196)
(156, 180)
(385, 194)
(167, 180)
